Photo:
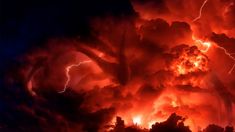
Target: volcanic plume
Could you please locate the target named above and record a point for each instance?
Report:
(118, 66)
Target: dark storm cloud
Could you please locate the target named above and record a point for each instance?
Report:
(160, 32)
(149, 91)
(48, 111)
(157, 5)
(224, 41)
(29, 25)
(191, 88)
(216, 15)
(26, 25)
(226, 96)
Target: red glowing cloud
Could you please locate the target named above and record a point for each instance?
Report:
(137, 72)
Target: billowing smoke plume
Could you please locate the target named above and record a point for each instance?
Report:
(120, 66)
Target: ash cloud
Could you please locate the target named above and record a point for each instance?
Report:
(217, 15)
(134, 67)
(224, 41)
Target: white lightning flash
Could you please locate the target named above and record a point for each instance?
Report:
(68, 68)
(200, 11)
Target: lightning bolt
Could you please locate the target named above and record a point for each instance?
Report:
(67, 70)
(208, 45)
(205, 44)
(231, 70)
(200, 11)
(230, 56)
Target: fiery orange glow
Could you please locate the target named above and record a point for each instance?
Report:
(151, 123)
(137, 120)
(189, 61)
(204, 46)
(139, 70)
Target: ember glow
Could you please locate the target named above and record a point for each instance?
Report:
(188, 61)
(202, 45)
(121, 66)
(137, 120)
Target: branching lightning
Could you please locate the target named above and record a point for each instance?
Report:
(208, 45)
(200, 11)
(67, 70)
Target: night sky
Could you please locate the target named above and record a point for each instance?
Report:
(26, 24)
